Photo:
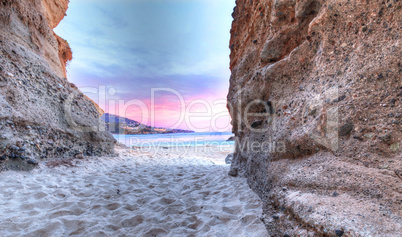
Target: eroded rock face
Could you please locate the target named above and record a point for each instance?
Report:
(315, 99)
(41, 113)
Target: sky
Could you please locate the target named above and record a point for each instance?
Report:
(164, 63)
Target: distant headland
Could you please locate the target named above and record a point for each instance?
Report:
(121, 125)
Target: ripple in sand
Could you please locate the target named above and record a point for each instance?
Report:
(158, 197)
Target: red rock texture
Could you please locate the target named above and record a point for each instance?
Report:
(65, 54)
(41, 113)
(332, 72)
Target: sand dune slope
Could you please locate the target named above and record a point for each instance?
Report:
(146, 195)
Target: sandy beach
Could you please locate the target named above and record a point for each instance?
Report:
(167, 192)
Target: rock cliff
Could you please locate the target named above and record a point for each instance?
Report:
(315, 99)
(41, 114)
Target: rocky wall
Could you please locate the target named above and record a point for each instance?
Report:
(42, 115)
(315, 99)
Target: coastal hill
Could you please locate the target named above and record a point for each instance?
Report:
(121, 125)
(329, 73)
(42, 114)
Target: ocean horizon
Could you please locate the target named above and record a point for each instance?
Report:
(176, 139)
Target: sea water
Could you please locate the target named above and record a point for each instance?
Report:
(176, 139)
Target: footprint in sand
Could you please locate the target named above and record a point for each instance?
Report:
(166, 201)
(113, 206)
(133, 221)
(155, 232)
(169, 199)
(196, 225)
